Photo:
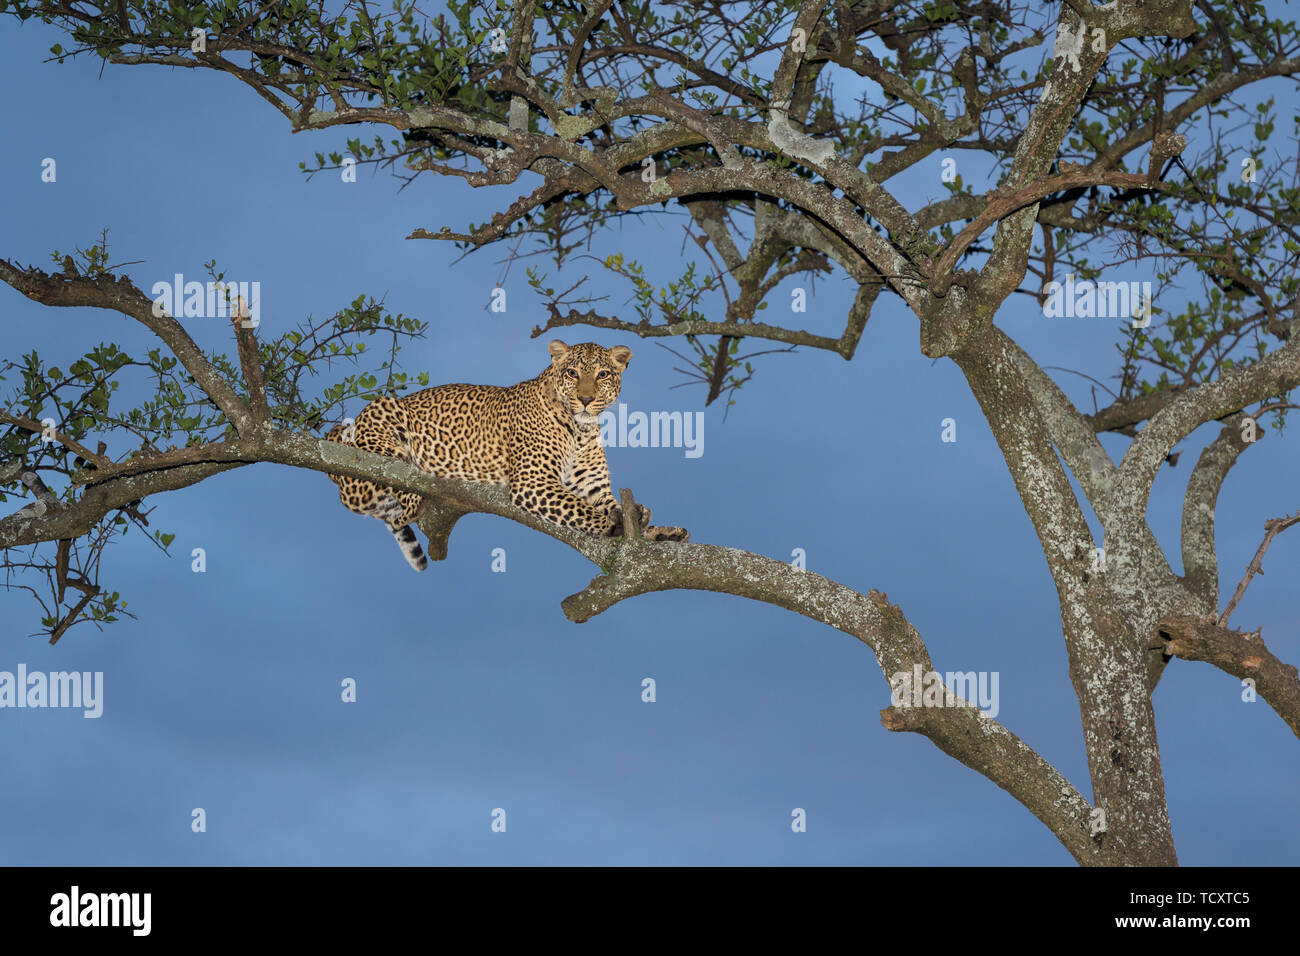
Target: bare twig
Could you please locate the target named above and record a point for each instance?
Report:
(1272, 528)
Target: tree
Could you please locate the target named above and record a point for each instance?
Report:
(1105, 148)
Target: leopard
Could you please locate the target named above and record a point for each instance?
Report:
(540, 437)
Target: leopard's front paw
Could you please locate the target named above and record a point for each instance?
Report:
(667, 533)
(641, 520)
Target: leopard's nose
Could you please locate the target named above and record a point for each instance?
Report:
(586, 400)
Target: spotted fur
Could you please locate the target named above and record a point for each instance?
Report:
(540, 437)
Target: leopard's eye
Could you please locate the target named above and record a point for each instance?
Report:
(603, 373)
(571, 372)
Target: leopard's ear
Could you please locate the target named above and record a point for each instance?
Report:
(558, 350)
(620, 355)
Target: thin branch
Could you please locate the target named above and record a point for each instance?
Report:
(1272, 528)
(36, 427)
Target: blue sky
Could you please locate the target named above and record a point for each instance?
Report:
(474, 691)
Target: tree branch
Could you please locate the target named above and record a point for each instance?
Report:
(1242, 655)
(640, 567)
(117, 293)
(1274, 374)
(1200, 557)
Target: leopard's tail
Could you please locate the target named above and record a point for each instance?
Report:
(410, 546)
(390, 511)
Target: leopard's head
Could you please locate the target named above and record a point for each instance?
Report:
(587, 377)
